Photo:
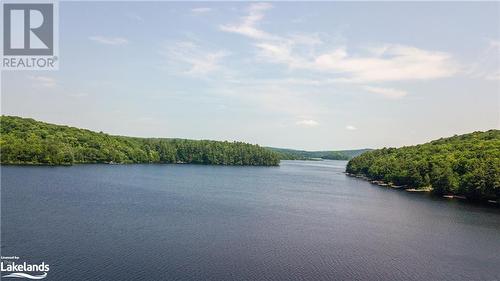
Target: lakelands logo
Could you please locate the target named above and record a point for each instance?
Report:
(12, 268)
(30, 36)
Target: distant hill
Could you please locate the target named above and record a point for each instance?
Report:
(29, 142)
(292, 154)
(465, 165)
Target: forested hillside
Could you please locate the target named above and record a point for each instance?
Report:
(292, 154)
(466, 165)
(27, 141)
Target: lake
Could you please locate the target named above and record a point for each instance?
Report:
(302, 220)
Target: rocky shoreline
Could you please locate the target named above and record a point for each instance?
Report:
(411, 189)
(386, 184)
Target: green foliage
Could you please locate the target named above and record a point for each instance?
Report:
(27, 141)
(292, 154)
(465, 165)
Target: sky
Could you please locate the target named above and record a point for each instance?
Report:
(315, 76)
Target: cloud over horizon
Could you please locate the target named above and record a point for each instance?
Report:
(44, 81)
(386, 92)
(194, 59)
(109, 40)
(307, 123)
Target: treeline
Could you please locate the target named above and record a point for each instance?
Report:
(292, 154)
(27, 141)
(467, 165)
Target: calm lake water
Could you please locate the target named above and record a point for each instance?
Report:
(302, 220)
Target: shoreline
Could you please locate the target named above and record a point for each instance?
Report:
(427, 189)
(128, 163)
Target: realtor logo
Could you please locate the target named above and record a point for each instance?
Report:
(28, 29)
(30, 36)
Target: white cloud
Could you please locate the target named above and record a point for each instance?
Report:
(43, 81)
(350, 128)
(395, 63)
(307, 123)
(494, 43)
(192, 56)
(487, 64)
(380, 63)
(386, 92)
(248, 25)
(493, 76)
(277, 53)
(389, 63)
(109, 40)
(201, 10)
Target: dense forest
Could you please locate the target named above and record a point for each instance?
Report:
(466, 165)
(27, 141)
(292, 154)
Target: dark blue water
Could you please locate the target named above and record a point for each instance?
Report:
(302, 220)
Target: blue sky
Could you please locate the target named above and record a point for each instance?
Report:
(321, 75)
